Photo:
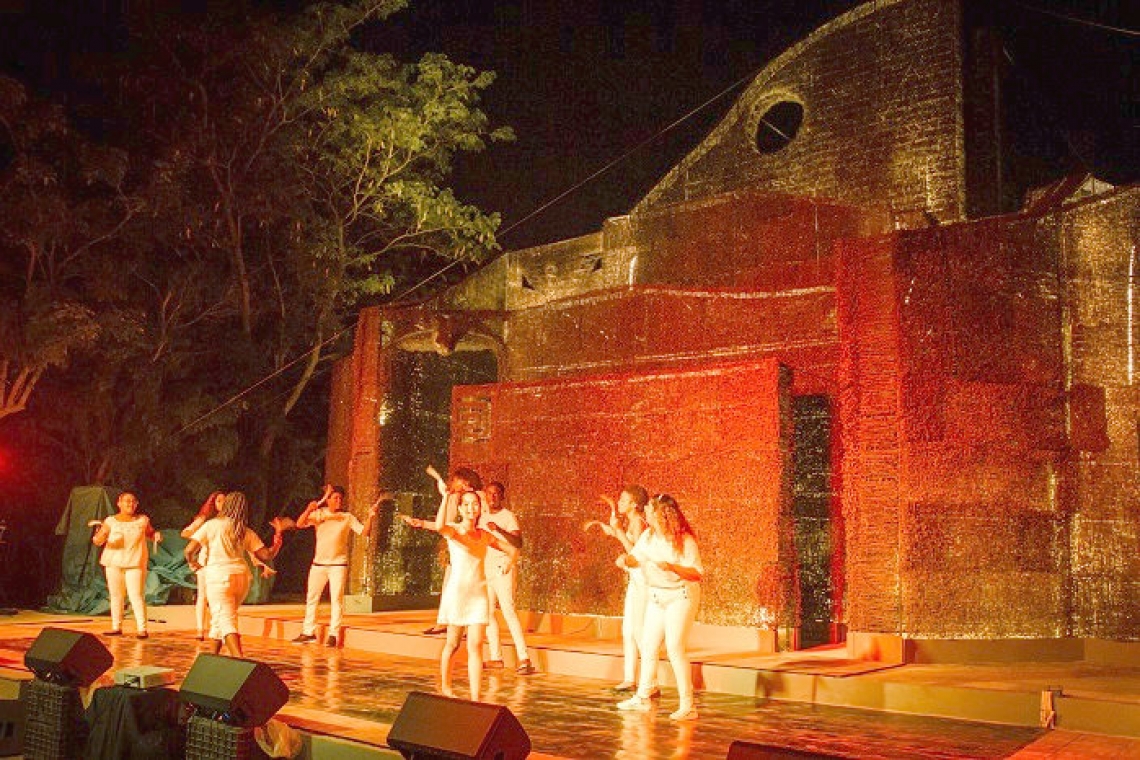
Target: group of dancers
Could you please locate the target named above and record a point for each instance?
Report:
(219, 540)
(659, 556)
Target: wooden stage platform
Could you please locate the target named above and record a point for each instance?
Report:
(345, 699)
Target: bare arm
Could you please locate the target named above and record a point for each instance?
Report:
(303, 520)
(191, 552)
(190, 529)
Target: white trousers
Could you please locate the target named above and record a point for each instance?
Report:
(225, 594)
(669, 616)
(123, 582)
(336, 578)
(632, 627)
(201, 607)
(501, 592)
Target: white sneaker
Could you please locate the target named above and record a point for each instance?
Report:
(684, 713)
(634, 704)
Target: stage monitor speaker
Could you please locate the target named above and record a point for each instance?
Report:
(239, 692)
(740, 750)
(431, 727)
(67, 658)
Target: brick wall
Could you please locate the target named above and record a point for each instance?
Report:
(716, 438)
(990, 427)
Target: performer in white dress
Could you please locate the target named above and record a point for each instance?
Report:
(668, 554)
(123, 537)
(463, 603)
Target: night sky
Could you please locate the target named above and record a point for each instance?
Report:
(583, 82)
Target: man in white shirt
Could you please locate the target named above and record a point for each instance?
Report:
(501, 577)
(334, 529)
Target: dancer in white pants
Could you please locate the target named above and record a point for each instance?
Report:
(123, 537)
(502, 575)
(627, 523)
(334, 528)
(463, 605)
(207, 511)
(668, 554)
(226, 539)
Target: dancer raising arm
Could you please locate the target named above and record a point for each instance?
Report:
(462, 479)
(668, 554)
(226, 539)
(207, 511)
(334, 529)
(123, 537)
(463, 603)
(627, 523)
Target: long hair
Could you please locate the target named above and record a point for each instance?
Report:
(236, 508)
(673, 523)
(208, 510)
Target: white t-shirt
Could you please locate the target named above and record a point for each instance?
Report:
(332, 535)
(126, 543)
(651, 548)
(222, 557)
(507, 523)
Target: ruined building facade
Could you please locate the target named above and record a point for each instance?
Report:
(893, 410)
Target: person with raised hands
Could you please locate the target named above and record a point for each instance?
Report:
(334, 528)
(463, 605)
(626, 524)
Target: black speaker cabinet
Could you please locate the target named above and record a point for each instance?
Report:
(54, 728)
(68, 658)
(740, 750)
(431, 726)
(11, 727)
(210, 740)
(238, 692)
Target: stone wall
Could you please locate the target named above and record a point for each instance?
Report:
(716, 438)
(990, 427)
(881, 89)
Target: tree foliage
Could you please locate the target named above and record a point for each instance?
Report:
(189, 279)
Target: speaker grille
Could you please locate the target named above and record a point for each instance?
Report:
(211, 740)
(53, 723)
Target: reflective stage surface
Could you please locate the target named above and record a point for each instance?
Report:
(339, 690)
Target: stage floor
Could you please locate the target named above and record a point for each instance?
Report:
(356, 695)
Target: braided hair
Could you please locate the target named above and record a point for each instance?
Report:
(236, 508)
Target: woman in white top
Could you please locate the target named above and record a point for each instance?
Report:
(207, 511)
(627, 523)
(668, 555)
(123, 537)
(463, 603)
(226, 539)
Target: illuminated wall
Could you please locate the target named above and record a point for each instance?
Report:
(977, 381)
(990, 440)
(717, 438)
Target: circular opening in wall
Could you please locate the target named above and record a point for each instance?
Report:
(778, 126)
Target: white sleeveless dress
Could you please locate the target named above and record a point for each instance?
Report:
(464, 597)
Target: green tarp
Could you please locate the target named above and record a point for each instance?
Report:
(83, 588)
